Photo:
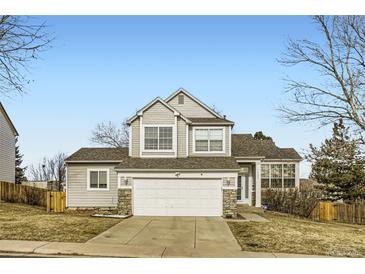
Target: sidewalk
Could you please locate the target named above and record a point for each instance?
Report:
(129, 251)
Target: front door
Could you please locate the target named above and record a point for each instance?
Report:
(243, 188)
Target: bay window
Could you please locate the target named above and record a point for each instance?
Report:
(209, 140)
(158, 138)
(278, 175)
(265, 176)
(289, 175)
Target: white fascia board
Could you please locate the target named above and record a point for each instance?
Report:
(177, 175)
(157, 99)
(122, 170)
(93, 161)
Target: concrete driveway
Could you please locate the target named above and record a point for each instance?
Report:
(178, 235)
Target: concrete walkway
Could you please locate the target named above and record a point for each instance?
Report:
(125, 251)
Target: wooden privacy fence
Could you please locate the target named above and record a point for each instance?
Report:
(15, 193)
(340, 212)
(56, 201)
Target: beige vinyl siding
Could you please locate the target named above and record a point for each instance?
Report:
(79, 196)
(135, 137)
(181, 138)
(158, 114)
(190, 108)
(7, 151)
(227, 148)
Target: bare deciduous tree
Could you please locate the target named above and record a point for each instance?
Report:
(21, 40)
(338, 91)
(50, 169)
(108, 134)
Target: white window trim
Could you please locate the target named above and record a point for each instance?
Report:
(174, 149)
(130, 141)
(187, 140)
(210, 152)
(88, 179)
(230, 140)
(296, 177)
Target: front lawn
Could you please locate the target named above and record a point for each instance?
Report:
(288, 234)
(24, 222)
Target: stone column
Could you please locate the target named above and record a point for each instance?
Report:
(125, 201)
(229, 203)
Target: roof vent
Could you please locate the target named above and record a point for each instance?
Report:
(181, 99)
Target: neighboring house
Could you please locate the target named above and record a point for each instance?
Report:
(8, 135)
(37, 184)
(50, 185)
(183, 160)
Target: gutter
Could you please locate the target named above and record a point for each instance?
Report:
(174, 170)
(93, 161)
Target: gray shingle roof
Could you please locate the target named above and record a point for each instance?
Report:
(210, 121)
(244, 145)
(198, 163)
(120, 155)
(99, 154)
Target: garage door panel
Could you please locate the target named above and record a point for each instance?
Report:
(177, 197)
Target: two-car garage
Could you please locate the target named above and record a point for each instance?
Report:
(177, 197)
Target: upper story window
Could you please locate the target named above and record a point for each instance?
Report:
(180, 99)
(98, 179)
(158, 138)
(209, 140)
(278, 175)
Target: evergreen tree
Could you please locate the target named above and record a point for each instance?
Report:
(261, 136)
(338, 166)
(19, 171)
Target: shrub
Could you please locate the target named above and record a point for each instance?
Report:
(32, 196)
(292, 201)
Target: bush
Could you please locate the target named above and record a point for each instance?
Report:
(32, 196)
(293, 201)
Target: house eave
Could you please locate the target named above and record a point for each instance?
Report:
(93, 161)
(212, 124)
(173, 170)
(282, 160)
(7, 118)
(157, 99)
(238, 158)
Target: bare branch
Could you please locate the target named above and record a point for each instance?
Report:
(21, 41)
(338, 92)
(107, 134)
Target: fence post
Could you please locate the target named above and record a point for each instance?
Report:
(48, 201)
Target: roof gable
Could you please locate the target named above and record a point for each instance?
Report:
(152, 103)
(7, 118)
(194, 99)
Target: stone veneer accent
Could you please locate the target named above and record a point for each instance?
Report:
(229, 203)
(125, 201)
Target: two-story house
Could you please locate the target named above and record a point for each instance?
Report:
(8, 135)
(182, 160)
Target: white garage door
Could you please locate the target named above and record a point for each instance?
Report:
(177, 197)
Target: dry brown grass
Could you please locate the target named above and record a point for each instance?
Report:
(288, 234)
(24, 222)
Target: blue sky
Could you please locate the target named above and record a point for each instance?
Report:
(105, 68)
